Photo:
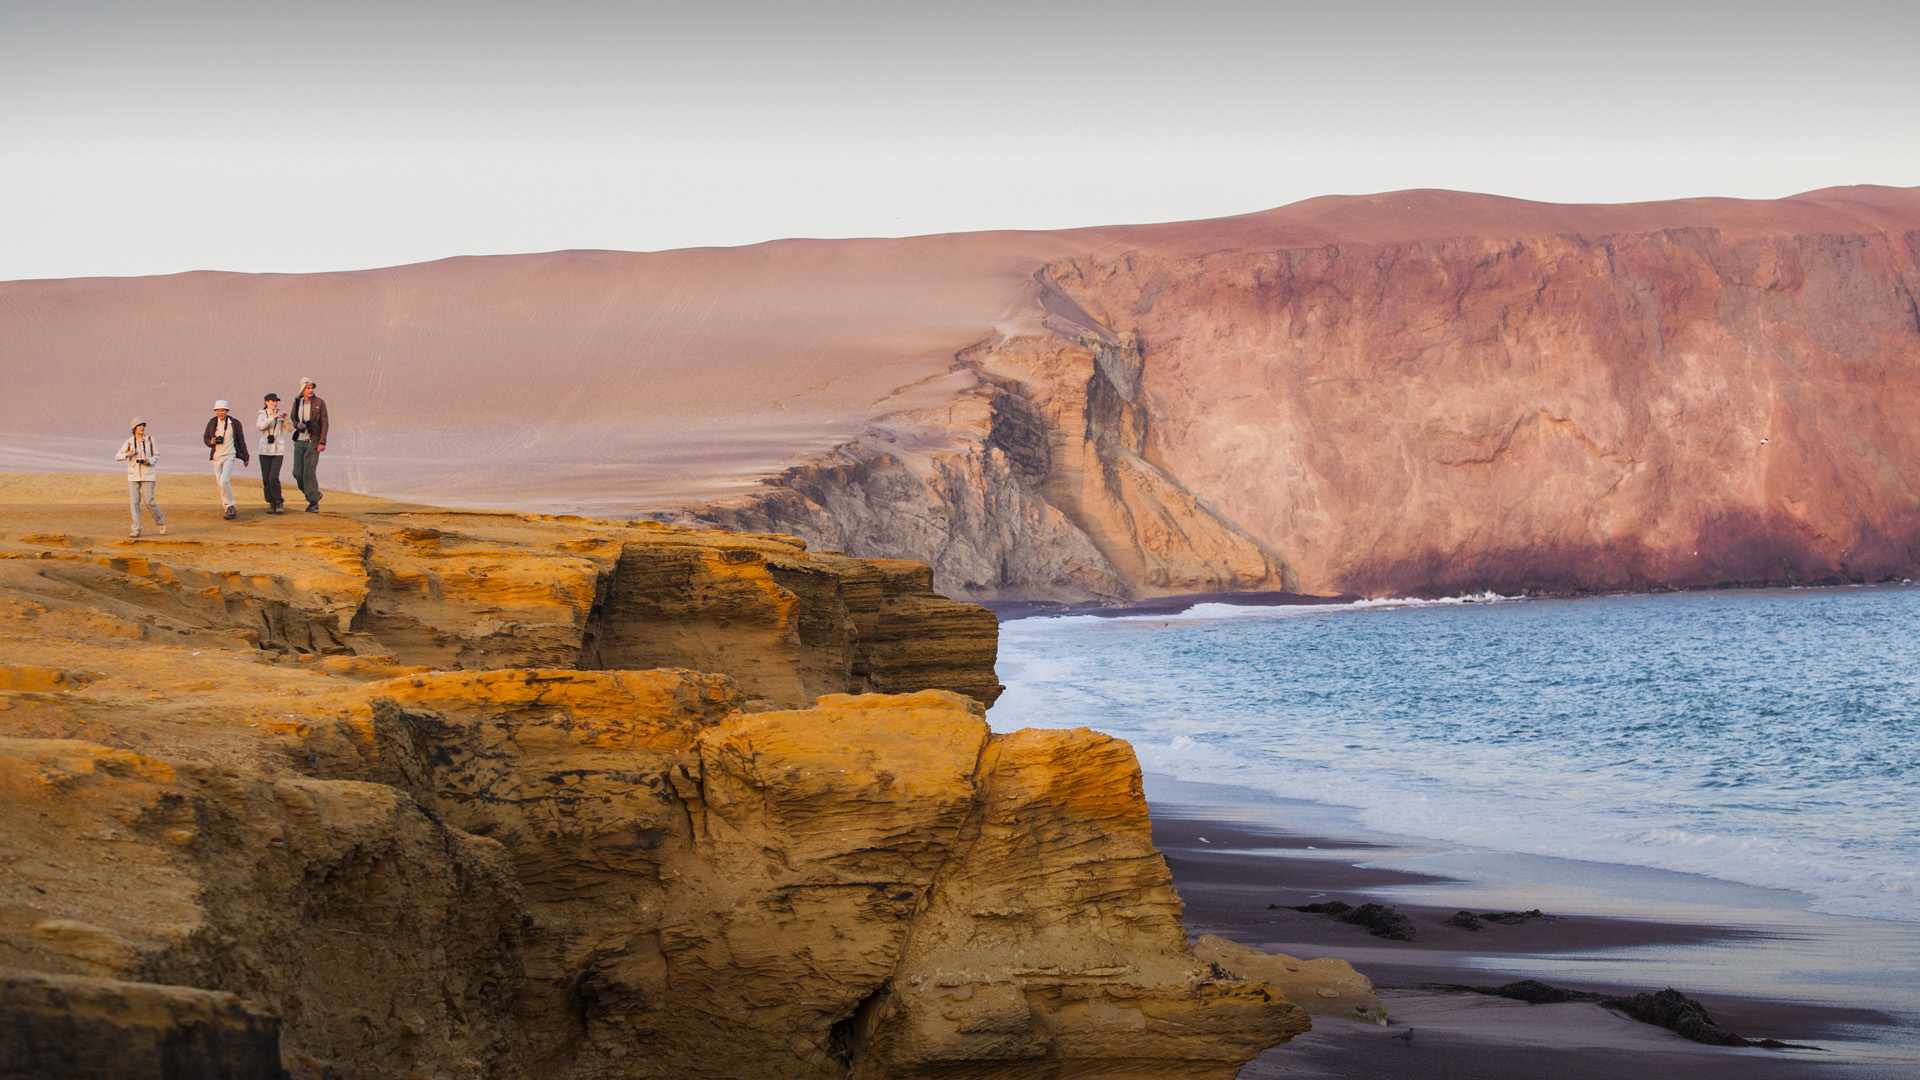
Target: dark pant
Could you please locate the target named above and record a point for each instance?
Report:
(270, 479)
(305, 460)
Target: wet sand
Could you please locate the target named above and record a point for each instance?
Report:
(1241, 868)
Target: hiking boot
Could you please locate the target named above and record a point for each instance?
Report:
(230, 514)
(313, 508)
(163, 530)
(135, 534)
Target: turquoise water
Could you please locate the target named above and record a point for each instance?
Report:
(1765, 737)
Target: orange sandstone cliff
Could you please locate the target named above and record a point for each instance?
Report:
(383, 794)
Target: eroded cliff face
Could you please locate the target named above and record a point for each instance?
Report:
(1519, 409)
(1675, 408)
(1037, 481)
(560, 871)
(394, 584)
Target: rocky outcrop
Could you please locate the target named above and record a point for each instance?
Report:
(475, 590)
(1322, 987)
(1460, 395)
(1036, 483)
(461, 872)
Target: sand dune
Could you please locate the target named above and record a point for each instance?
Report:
(616, 379)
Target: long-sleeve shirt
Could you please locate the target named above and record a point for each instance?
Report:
(132, 452)
(276, 430)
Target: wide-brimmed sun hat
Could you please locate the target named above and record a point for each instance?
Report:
(271, 397)
(222, 404)
(310, 382)
(137, 421)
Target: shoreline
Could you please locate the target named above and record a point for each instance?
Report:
(1179, 604)
(1009, 610)
(1742, 951)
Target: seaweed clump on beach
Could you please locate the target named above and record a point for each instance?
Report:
(1467, 920)
(1667, 1008)
(1379, 919)
(1688, 1019)
(1531, 991)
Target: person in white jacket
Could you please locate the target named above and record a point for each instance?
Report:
(139, 455)
(276, 431)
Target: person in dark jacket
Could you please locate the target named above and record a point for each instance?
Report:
(309, 441)
(226, 442)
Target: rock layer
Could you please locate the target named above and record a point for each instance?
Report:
(564, 872)
(404, 585)
(80, 1028)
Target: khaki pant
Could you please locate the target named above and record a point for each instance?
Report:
(135, 495)
(223, 473)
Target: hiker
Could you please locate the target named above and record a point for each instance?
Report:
(226, 442)
(138, 453)
(276, 430)
(309, 441)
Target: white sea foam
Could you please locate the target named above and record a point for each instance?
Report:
(1210, 611)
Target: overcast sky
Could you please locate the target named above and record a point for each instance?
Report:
(153, 137)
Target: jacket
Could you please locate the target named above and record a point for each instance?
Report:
(239, 447)
(315, 429)
(277, 431)
(131, 453)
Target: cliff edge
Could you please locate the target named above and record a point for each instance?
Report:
(380, 794)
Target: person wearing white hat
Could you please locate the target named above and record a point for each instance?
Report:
(138, 453)
(225, 443)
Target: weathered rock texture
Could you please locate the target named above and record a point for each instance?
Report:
(409, 585)
(80, 1028)
(1424, 393)
(218, 773)
(1322, 987)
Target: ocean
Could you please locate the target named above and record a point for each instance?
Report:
(1765, 737)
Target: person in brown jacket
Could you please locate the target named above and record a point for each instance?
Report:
(309, 441)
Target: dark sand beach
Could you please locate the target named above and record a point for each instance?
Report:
(1762, 965)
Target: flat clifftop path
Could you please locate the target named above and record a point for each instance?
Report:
(1416, 392)
(407, 791)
